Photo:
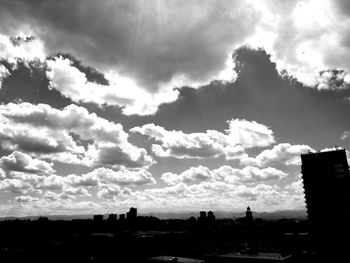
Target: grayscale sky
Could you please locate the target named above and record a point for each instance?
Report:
(167, 105)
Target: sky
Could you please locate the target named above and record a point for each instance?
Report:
(167, 106)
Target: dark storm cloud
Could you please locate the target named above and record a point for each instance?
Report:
(28, 82)
(293, 112)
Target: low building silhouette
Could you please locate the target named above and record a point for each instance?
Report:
(112, 217)
(121, 217)
(98, 218)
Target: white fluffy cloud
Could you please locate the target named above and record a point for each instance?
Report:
(240, 135)
(280, 153)
(225, 174)
(68, 135)
(308, 39)
(25, 198)
(18, 161)
(296, 186)
(101, 182)
(104, 176)
(21, 47)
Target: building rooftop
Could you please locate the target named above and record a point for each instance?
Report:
(174, 259)
(263, 256)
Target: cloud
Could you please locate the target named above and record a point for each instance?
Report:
(215, 195)
(73, 84)
(249, 174)
(21, 47)
(307, 40)
(15, 186)
(25, 198)
(250, 133)
(3, 73)
(280, 153)
(21, 162)
(212, 143)
(105, 176)
(225, 174)
(296, 186)
(153, 46)
(193, 174)
(114, 191)
(71, 135)
(345, 135)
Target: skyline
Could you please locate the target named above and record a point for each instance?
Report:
(167, 106)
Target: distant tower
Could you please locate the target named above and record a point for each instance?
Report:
(249, 215)
(202, 216)
(132, 214)
(211, 216)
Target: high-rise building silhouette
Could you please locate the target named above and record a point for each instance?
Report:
(249, 215)
(211, 216)
(326, 185)
(327, 193)
(132, 214)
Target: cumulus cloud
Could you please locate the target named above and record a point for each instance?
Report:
(307, 39)
(151, 48)
(101, 182)
(21, 47)
(26, 198)
(18, 161)
(280, 153)
(297, 187)
(240, 135)
(105, 176)
(250, 133)
(16, 186)
(70, 135)
(114, 191)
(73, 84)
(148, 47)
(217, 194)
(225, 174)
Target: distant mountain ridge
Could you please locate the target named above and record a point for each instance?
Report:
(289, 214)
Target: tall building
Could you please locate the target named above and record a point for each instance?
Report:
(132, 214)
(327, 193)
(326, 185)
(249, 215)
(211, 216)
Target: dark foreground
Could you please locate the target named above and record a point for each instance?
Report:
(146, 237)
